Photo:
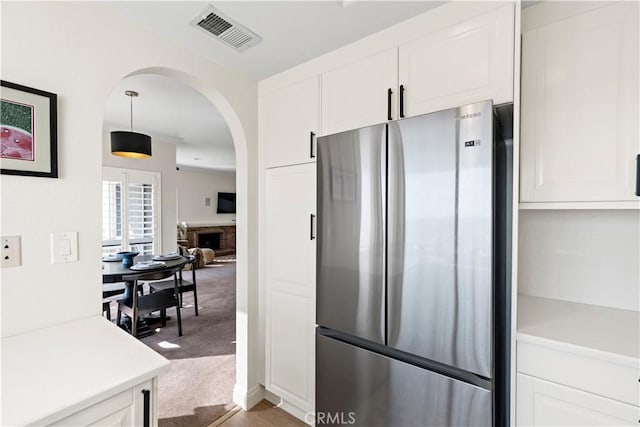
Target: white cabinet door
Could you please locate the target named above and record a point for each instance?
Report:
(580, 105)
(146, 407)
(290, 283)
(543, 403)
(465, 63)
(289, 121)
(356, 95)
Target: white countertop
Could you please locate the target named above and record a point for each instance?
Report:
(51, 373)
(612, 333)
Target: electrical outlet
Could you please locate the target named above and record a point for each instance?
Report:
(11, 251)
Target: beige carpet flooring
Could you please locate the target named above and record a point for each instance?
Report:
(198, 388)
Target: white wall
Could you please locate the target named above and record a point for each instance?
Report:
(194, 186)
(163, 160)
(80, 51)
(585, 256)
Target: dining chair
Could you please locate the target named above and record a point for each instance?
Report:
(113, 292)
(183, 284)
(140, 305)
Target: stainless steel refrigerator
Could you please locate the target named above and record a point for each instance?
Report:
(413, 293)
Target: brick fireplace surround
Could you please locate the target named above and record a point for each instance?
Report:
(227, 237)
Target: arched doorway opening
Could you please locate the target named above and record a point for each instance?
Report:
(238, 134)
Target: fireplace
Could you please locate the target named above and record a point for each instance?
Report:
(220, 238)
(209, 240)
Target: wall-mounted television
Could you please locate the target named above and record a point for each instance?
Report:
(226, 203)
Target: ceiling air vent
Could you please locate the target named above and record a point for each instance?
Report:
(228, 31)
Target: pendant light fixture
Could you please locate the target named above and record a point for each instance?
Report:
(129, 143)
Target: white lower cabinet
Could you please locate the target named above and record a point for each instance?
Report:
(289, 250)
(125, 409)
(544, 403)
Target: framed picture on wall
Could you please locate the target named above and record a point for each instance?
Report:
(28, 131)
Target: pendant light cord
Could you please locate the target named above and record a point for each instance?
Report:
(131, 111)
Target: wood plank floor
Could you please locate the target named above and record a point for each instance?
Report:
(264, 414)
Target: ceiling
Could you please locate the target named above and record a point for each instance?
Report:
(173, 112)
(292, 32)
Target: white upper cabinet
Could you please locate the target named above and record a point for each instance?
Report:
(465, 62)
(357, 94)
(580, 103)
(289, 123)
(468, 62)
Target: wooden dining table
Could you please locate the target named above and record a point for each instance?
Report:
(116, 271)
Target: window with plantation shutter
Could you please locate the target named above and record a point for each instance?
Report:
(130, 218)
(111, 217)
(141, 223)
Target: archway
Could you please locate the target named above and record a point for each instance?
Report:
(243, 294)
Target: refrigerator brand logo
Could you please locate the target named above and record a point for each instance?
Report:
(330, 418)
(470, 115)
(472, 143)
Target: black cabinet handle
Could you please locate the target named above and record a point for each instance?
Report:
(147, 408)
(311, 138)
(402, 101)
(389, 92)
(638, 175)
(311, 233)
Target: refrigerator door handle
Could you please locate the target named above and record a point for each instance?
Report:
(394, 231)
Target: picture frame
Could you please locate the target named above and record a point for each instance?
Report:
(28, 131)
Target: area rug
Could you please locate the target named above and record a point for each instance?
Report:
(198, 389)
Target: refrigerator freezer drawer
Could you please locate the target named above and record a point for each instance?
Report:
(362, 388)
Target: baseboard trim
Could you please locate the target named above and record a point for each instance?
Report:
(247, 399)
(287, 407)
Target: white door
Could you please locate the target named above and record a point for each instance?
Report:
(289, 122)
(543, 403)
(465, 63)
(290, 283)
(357, 94)
(580, 104)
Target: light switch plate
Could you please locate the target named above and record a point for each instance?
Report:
(11, 251)
(64, 247)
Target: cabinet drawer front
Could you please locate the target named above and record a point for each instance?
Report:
(542, 403)
(605, 378)
(111, 411)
